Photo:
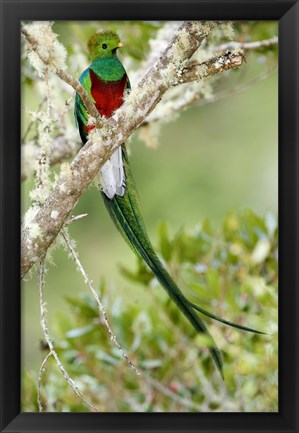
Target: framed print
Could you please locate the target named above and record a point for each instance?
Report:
(181, 121)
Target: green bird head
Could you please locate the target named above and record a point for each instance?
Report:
(104, 44)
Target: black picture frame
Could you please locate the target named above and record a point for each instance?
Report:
(12, 13)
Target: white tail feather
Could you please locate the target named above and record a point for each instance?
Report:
(112, 175)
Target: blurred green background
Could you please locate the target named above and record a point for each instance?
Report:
(212, 160)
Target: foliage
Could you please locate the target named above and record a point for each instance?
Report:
(232, 272)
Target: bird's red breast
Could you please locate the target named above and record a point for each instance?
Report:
(108, 95)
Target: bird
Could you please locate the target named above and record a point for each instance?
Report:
(107, 84)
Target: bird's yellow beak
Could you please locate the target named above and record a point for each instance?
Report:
(120, 45)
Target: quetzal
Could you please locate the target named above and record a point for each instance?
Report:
(106, 82)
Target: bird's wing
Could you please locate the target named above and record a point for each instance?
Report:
(81, 115)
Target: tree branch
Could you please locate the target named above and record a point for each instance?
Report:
(74, 180)
(255, 45)
(197, 71)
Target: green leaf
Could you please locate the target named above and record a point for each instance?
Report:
(78, 332)
(213, 280)
(149, 364)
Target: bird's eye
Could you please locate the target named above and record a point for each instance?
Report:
(104, 46)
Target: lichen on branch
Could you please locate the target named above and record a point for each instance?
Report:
(46, 51)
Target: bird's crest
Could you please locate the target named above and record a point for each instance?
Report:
(102, 37)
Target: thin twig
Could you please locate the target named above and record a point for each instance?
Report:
(248, 45)
(100, 305)
(48, 92)
(67, 107)
(31, 123)
(40, 374)
(75, 218)
(44, 326)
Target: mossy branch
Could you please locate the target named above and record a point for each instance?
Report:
(166, 72)
(224, 62)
